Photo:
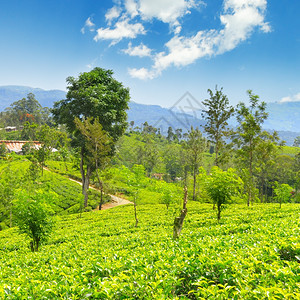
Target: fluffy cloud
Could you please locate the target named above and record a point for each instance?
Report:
(141, 73)
(294, 98)
(122, 29)
(128, 17)
(112, 14)
(239, 19)
(167, 11)
(141, 50)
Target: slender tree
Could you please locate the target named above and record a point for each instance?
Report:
(217, 113)
(248, 135)
(99, 146)
(265, 154)
(195, 145)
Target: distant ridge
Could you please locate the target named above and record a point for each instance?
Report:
(283, 117)
(11, 93)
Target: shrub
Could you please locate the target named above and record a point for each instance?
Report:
(33, 216)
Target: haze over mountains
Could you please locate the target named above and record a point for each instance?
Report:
(283, 117)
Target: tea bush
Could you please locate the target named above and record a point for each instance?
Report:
(253, 253)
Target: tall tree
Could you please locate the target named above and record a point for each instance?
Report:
(93, 94)
(217, 113)
(195, 145)
(248, 135)
(98, 144)
(26, 110)
(265, 154)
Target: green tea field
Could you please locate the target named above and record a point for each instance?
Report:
(253, 253)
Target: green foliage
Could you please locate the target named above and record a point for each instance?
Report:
(32, 214)
(68, 197)
(98, 96)
(29, 131)
(3, 150)
(94, 94)
(217, 113)
(222, 186)
(297, 142)
(97, 142)
(195, 146)
(249, 135)
(10, 181)
(253, 254)
(283, 193)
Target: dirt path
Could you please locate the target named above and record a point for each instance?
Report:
(115, 200)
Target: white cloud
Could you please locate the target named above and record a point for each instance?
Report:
(122, 29)
(141, 73)
(131, 8)
(239, 19)
(294, 98)
(112, 14)
(88, 24)
(167, 11)
(141, 50)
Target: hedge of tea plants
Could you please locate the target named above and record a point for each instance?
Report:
(253, 253)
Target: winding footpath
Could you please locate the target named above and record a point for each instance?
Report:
(115, 200)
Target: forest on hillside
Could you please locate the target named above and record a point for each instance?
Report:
(257, 157)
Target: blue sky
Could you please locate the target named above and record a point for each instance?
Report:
(160, 49)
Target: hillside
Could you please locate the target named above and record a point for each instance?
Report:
(67, 194)
(252, 254)
(160, 117)
(11, 93)
(283, 116)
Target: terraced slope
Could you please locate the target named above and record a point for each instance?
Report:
(253, 253)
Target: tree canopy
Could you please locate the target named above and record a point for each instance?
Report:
(94, 94)
(98, 96)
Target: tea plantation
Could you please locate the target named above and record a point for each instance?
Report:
(253, 253)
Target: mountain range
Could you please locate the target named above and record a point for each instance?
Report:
(283, 117)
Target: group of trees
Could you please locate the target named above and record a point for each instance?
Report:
(25, 110)
(93, 117)
(252, 151)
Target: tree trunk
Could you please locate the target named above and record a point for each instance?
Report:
(10, 216)
(34, 244)
(219, 213)
(280, 202)
(101, 196)
(86, 185)
(85, 179)
(135, 211)
(250, 196)
(194, 185)
(217, 153)
(178, 222)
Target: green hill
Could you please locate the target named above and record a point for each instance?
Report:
(253, 253)
(68, 196)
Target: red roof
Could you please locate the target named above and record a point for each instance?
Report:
(16, 146)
